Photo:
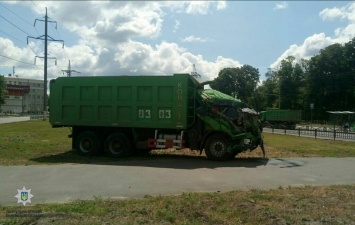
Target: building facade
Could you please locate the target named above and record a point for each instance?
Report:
(23, 95)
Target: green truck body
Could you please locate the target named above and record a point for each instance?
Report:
(126, 114)
(281, 118)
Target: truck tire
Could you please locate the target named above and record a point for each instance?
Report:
(87, 143)
(216, 148)
(118, 145)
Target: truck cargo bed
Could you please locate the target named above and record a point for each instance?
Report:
(123, 101)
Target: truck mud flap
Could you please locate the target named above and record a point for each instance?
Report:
(262, 146)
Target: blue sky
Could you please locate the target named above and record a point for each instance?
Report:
(166, 37)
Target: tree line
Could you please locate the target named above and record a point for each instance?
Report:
(327, 81)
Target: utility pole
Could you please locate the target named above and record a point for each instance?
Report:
(45, 38)
(69, 71)
(194, 72)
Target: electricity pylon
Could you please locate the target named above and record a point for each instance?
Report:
(45, 38)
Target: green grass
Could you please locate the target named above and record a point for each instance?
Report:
(280, 145)
(306, 205)
(36, 142)
(22, 141)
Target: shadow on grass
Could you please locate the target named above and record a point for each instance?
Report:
(166, 160)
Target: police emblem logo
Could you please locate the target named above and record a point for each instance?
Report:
(24, 196)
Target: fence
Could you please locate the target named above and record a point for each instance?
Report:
(36, 117)
(322, 134)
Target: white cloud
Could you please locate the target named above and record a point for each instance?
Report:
(221, 5)
(177, 26)
(20, 58)
(346, 12)
(331, 14)
(203, 7)
(308, 49)
(195, 39)
(281, 5)
(107, 46)
(198, 7)
(313, 44)
(107, 23)
(167, 58)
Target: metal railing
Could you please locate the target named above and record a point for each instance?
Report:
(316, 133)
(36, 117)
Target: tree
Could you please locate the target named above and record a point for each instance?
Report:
(240, 82)
(267, 93)
(331, 79)
(327, 80)
(283, 88)
(291, 80)
(3, 91)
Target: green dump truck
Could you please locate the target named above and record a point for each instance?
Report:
(280, 118)
(122, 115)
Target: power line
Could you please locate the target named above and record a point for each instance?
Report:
(45, 38)
(16, 14)
(65, 52)
(29, 24)
(18, 40)
(17, 60)
(36, 6)
(15, 25)
(12, 37)
(19, 17)
(55, 28)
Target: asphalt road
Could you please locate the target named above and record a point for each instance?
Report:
(134, 179)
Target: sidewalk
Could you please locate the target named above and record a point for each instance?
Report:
(14, 119)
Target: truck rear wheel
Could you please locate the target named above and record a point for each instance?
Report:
(216, 148)
(118, 145)
(87, 143)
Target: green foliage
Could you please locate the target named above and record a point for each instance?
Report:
(327, 80)
(238, 82)
(331, 80)
(2, 89)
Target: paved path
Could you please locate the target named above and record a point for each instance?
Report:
(13, 119)
(68, 182)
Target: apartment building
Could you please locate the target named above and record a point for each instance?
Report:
(23, 95)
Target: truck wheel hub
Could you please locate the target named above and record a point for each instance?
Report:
(86, 144)
(116, 146)
(218, 148)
